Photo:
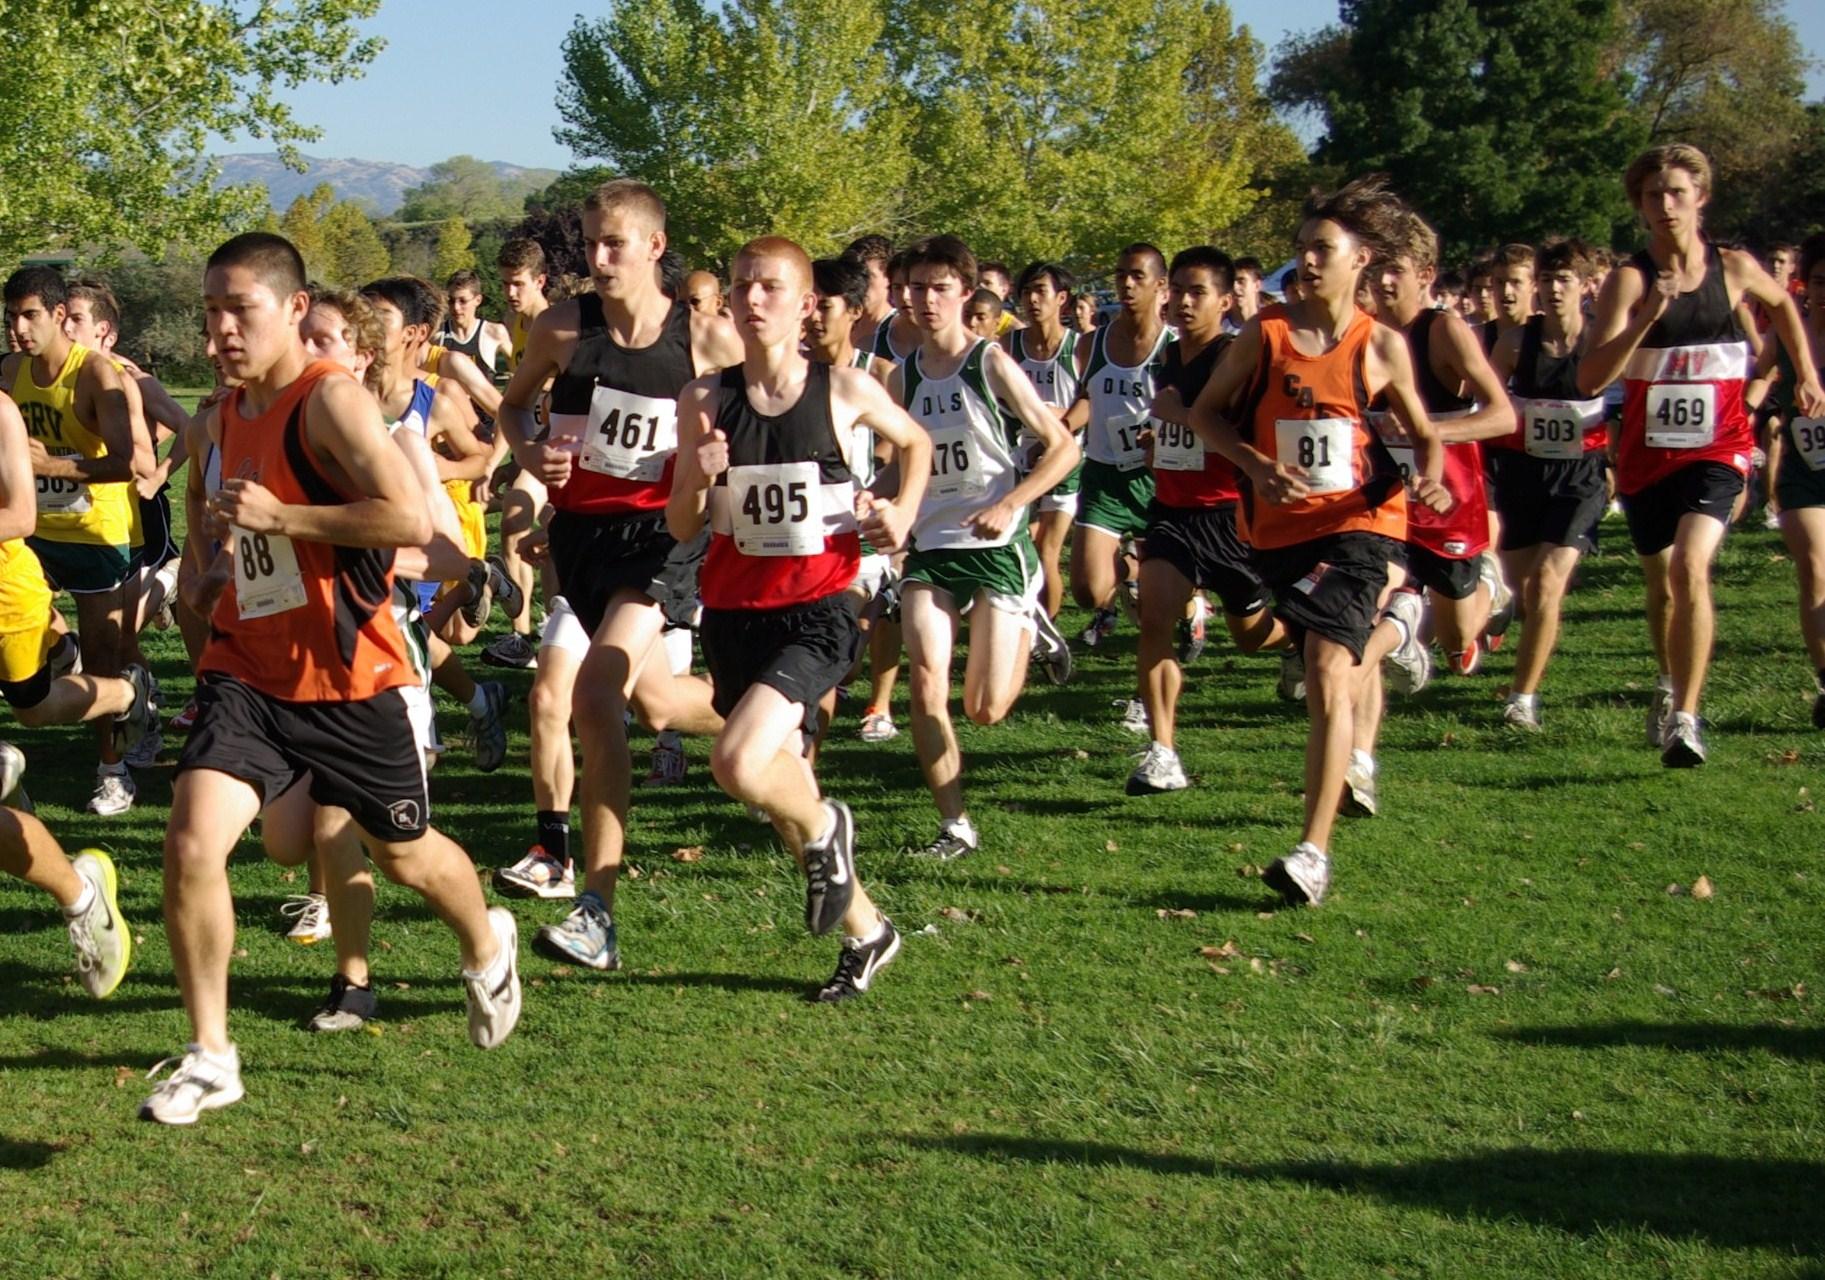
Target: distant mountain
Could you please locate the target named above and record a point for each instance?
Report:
(375, 183)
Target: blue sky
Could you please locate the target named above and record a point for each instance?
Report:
(488, 74)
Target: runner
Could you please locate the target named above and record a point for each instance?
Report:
(1480, 303)
(874, 253)
(998, 280)
(1047, 351)
(982, 315)
(464, 330)
(1323, 505)
(764, 463)
(1667, 325)
(86, 453)
(1117, 373)
(618, 357)
(1247, 295)
(1191, 541)
(302, 674)
(1512, 277)
(522, 268)
(703, 291)
(970, 550)
(1550, 488)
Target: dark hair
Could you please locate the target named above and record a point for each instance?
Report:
(521, 254)
(866, 249)
(1367, 208)
(42, 283)
(274, 259)
(1479, 269)
(1812, 252)
(102, 303)
(845, 277)
(1515, 255)
(406, 295)
(1286, 279)
(994, 268)
(1449, 282)
(671, 272)
(464, 279)
(900, 263)
(1207, 258)
(1062, 280)
(986, 297)
(1141, 249)
(1565, 255)
(943, 251)
(1250, 264)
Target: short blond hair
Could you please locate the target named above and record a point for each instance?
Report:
(1673, 155)
(626, 194)
(1414, 239)
(780, 249)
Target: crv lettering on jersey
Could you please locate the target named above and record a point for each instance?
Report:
(41, 420)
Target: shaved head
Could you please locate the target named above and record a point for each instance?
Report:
(779, 249)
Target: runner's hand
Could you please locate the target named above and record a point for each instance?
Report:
(713, 454)
(250, 505)
(1660, 295)
(1431, 494)
(1279, 484)
(993, 521)
(1810, 399)
(551, 465)
(535, 546)
(884, 525)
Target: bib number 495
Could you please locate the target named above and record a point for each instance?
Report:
(765, 504)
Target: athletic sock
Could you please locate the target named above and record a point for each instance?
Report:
(962, 828)
(1528, 700)
(875, 934)
(1663, 683)
(671, 740)
(478, 704)
(1362, 760)
(554, 834)
(83, 901)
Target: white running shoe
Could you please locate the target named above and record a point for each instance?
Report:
(1359, 794)
(1658, 716)
(1519, 714)
(1159, 770)
(114, 792)
(310, 917)
(103, 943)
(878, 726)
(537, 875)
(1683, 748)
(1302, 877)
(202, 1082)
(1409, 662)
(494, 1002)
(1134, 717)
(12, 779)
(1193, 631)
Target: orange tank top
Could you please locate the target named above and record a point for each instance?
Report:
(300, 621)
(1310, 413)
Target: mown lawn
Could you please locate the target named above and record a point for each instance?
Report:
(1506, 1046)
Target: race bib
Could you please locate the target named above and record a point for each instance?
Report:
(1176, 447)
(629, 437)
(1555, 428)
(1395, 440)
(1122, 434)
(956, 464)
(62, 495)
(1808, 436)
(774, 509)
(267, 579)
(1682, 415)
(1321, 448)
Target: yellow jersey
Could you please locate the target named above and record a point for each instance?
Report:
(70, 510)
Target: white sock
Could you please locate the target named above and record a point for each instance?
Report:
(83, 900)
(493, 969)
(1363, 760)
(118, 768)
(1528, 700)
(875, 934)
(478, 705)
(1663, 683)
(962, 828)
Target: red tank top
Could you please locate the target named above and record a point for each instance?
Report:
(1463, 531)
(300, 621)
(1309, 412)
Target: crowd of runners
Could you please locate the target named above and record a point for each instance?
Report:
(731, 496)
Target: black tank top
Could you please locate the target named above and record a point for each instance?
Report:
(1538, 376)
(1696, 318)
(471, 347)
(1188, 377)
(1438, 397)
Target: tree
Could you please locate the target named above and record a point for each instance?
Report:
(453, 248)
(353, 251)
(1500, 121)
(746, 116)
(464, 187)
(108, 109)
(302, 224)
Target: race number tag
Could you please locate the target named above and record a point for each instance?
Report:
(1320, 448)
(1395, 440)
(1682, 415)
(956, 464)
(1808, 435)
(1122, 432)
(1553, 429)
(774, 509)
(62, 495)
(266, 577)
(1176, 447)
(629, 437)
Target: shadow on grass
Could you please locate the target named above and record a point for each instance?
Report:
(1689, 1037)
(1733, 1202)
(724, 981)
(25, 1154)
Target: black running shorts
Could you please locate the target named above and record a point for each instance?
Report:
(1555, 502)
(1453, 579)
(1331, 586)
(804, 651)
(596, 556)
(1703, 488)
(1203, 545)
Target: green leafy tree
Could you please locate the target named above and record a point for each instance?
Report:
(302, 224)
(353, 250)
(108, 108)
(464, 187)
(454, 252)
(746, 116)
(1500, 121)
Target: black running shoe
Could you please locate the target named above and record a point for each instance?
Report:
(348, 1008)
(476, 608)
(1818, 710)
(830, 874)
(858, 964)
(507, 593)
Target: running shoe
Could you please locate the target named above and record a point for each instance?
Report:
(1194, 631)
(494, 996)
(511, 650)
(1658, 715)
(480, 604)
(1128, 594)
(1409, 661)
(348, 1008)
(1291, 686)
(1520, 714)
(878, 726)
(1466, 662)
(185, 720)
(66, 657)
(1501, 598)
(830, 872)
(668, 765)
(507, 594)
(12, 779)
(202, 1082)
(310, 917)
(954, 840)
(141, 718)
(1302, 877)
(1102, 626)
(1359, 793)
(586, 936)
(144, 753)
(857, 964)
(1683, 748)
(1134, 716)
(103, 944)
(488, 728)
(1159, 770)
(1052, 642)
(537, 875)
(115, 791)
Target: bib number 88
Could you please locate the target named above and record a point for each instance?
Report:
(256, 556)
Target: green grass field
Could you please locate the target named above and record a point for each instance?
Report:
(1506, 1046)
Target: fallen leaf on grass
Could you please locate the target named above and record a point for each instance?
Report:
(1304, 937)
(691, 853)
(402, 986)
(1613, 974)
(1422, 982)
(1255, 965)
(1483, 989)
(632, 872)
(1081, 754)
(1219, 969)
(1248, 871)
(1790, 756)
(240, 953)
(1514, 966)
(1264, 915)
(122, 1075)
(1109, 846)
(1001, 870)
(1176, 913)
(1702, 888)
(956, 915)
(1796, 992)
(307, 1148)
(1661, 989)
(978, 996)
(1676, 890)
(1228, 951)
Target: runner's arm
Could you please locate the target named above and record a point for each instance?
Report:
(1061, 452)
(18, 496)
(518, 421)
(703, 454)
(1743, 269)
(101, 399)
(1465, 362)
(468, 456)
(1626, 309)
(886, 521)
(1391, 357)
(468, 375)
